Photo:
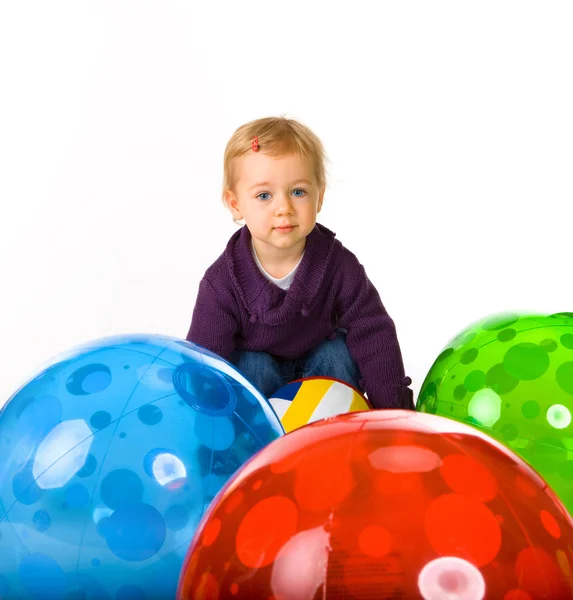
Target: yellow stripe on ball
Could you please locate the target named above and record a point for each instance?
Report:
(314, 399)
(305, 402)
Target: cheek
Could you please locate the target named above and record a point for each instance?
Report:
(259, 216)
(309, 208)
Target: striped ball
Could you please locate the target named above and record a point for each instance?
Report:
(313, 398)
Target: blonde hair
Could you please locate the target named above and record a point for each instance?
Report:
(277, 136)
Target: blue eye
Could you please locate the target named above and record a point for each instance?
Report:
(268, 196)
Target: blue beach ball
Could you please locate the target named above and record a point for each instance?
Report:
(108, 459)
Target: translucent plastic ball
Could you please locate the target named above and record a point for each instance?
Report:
(512, 377)
(383, 504)
(108, 459)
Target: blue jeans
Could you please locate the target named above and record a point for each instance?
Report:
(269, 373)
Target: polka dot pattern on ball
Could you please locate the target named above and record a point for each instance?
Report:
(500, 381)
(418, 512)
(475, 381)
(134, 532)
(254, 546)
(89, 467)
(90, 379)
(564, 377)
(469, 356)
(526, 361)
(150, 414)
(77, 496)
(42, 520)
(549, 345)
(120, 488)
(530, 409)
(506, 335)
(499, 322)
(529, 366)
(24, 486)
(103, 480)
(100, 419)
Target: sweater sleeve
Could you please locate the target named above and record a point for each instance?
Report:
(214, 324)
(371, 339)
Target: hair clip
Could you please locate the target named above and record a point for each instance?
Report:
(255, 144)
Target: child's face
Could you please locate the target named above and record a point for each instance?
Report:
(271, 192)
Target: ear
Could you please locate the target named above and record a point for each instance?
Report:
(233, 204)
(320, 198)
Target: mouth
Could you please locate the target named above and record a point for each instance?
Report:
(285, 228)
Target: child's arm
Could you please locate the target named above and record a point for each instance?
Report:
(371, 338)
(214, 324)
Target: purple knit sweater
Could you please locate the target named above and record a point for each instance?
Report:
(238, 308)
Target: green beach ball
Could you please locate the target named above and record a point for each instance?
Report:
(511, 376)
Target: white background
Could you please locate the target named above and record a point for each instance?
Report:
(449, 128)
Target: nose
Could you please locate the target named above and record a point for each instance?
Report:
(283, 205)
